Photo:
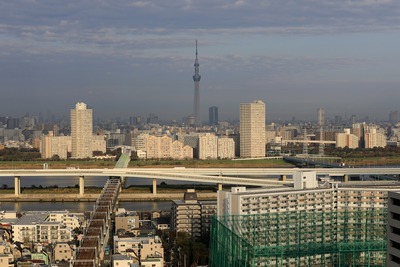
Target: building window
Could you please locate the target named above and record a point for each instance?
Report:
(395, 230)
(396, 201)
(395, 259)
(395, 244)
(395, 216)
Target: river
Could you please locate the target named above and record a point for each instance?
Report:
(98, 181)
(82, 206)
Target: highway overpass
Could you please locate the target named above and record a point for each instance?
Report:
(236, 176)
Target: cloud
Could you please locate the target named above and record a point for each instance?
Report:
(157, 36)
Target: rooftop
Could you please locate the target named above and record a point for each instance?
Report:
(33, 217)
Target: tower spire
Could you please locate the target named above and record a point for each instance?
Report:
(196, 79)
(196, 48)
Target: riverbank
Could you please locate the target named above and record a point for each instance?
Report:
(123, 197)
(100, 164)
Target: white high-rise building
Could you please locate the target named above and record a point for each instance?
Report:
(81, 131)
(226, 148)
(252, 129)
(346, 139)
(374, 138)
(208, 146)
(51, 145)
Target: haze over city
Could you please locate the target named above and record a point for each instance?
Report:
(136, 57)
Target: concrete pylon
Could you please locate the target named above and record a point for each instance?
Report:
(81, 185)
(154, 186)
(17, 186)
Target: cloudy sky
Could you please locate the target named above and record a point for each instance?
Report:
(135, 57)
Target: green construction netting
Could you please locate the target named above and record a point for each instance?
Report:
(334, 238)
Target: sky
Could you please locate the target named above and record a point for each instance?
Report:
(134, 57)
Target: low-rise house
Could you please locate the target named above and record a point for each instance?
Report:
(34, 226)
(6, 255)
(139, 247)
(162, 223)
(63, 251)
(121, 260)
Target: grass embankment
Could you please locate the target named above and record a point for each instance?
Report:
(253, 163)
(93, 164)
(52, 191)
(62, 164)
(372, 161)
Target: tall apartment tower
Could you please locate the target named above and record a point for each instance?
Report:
(196, 79)
(252, 129)
(81, 131)
(213, 115)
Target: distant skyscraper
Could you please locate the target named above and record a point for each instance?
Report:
(81, 131)
(353, 119)
(196, 79)
(394, 116)
(152, 119)
(213, 115)
(252, 129)
(12, 123)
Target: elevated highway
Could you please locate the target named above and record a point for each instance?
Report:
(196, 173)
(237, 176)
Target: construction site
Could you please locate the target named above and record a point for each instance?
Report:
(334, 238)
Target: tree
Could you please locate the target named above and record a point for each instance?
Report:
(55, 157)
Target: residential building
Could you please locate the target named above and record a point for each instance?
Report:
(252, 129)
(51, 145)
(165, 147)
(161, 147)
(191, 215)
(374, 138)
(186, 214)
(187, 152)
(226, 148)
(34, 226)
(99, 143)
(118, 260)
(82, 131)
(148, 246)
(68, 219)
(393, 230)
(139, 142)
(207, 209)
(6, 255)
(347, 139)
(208, 146)
(358, 130)
(152, 147)
(127, 221)
(349, 219)
(63, 251)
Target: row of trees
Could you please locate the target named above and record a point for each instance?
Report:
(181, 248)
(19, 154)
(363, 152)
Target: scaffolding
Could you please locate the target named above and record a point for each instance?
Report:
(334, 238)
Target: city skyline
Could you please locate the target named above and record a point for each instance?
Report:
(136, 57)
